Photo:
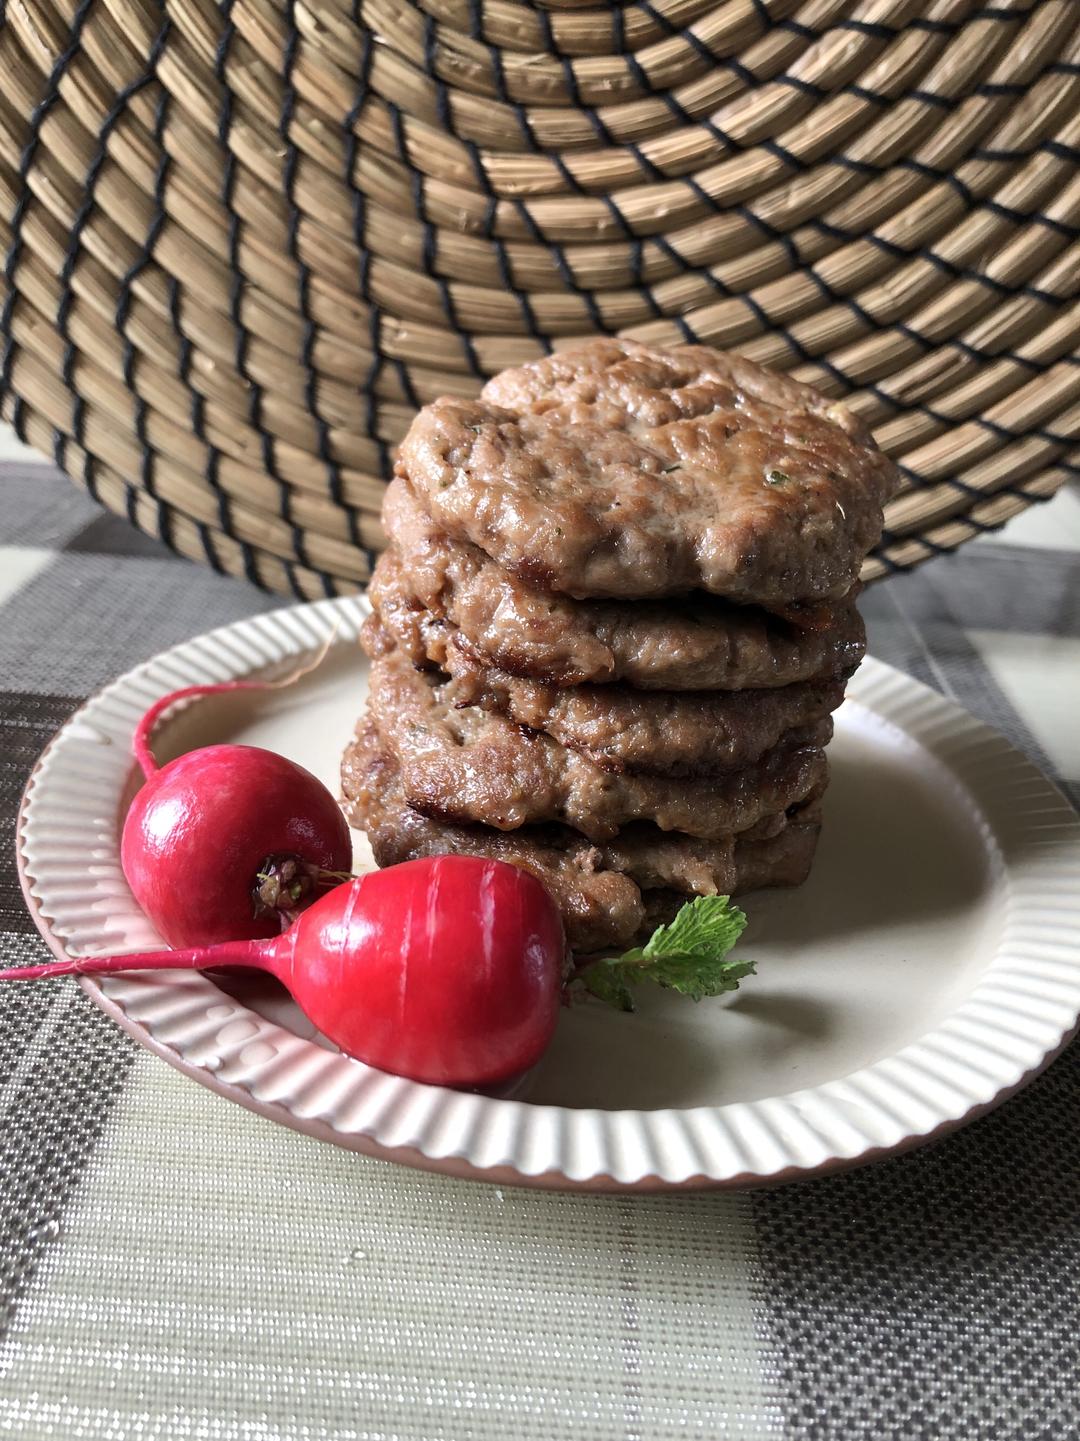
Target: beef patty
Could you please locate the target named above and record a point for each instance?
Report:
(673, 733)
(618, 470)
(610, 895)
(471, 766)
(698, 643)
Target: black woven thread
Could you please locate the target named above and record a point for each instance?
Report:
(938, 176)
(998, 287)
(847, 301)
(71, 260)
(875, 31)
(359, 231)
(240, 333)
(765, 324)
(669, 28)
(1071, 468)
(60, 448)
(973, 523)
(430, 261)
(976, 526)
(127, 282)
(848, 384)
(752, 81)
(288, 103)
(882, 32)
(786, 156)
(1004, 288)
(778, 237)
(955, 422)
(359, 225)
(784, 239)
(922, 482)
(618, 30)
(795, 27)
(369, 387)
(566, 273)
(185, 352)
(443, 108)
(397, 129)
(731, 145)
(524, 302)
(974, 202)
(310, 331)
(1003, 155)
(925, 343)
(875, 169)
(22, 201)
(498, 75)
(550, 45)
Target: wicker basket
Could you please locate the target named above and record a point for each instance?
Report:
(246, 238)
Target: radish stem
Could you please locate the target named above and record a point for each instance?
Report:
(140, 741)
(259, 954)
(446, 969)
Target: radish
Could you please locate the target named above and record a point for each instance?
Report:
(447, 969)
(228, 842)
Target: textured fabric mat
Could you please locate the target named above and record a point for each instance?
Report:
(173, 1267)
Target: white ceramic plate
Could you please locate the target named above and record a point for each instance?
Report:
(929, 967)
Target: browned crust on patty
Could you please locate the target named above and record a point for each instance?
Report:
(699, 643)
(610, 895)
(672, 733)
(616, 470)
(473, 767)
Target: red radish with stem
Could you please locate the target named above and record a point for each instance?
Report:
(228, 842)
(447, 970)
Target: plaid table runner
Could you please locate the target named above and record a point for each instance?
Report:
(173, 1267)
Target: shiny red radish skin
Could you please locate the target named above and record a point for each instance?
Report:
(447, 970)
(462, 969)
(203, 826)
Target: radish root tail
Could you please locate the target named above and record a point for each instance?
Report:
(140, 741)
(228, 953)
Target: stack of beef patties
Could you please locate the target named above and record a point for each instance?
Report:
(615, 616)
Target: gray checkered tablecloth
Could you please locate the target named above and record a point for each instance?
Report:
(174, 1267)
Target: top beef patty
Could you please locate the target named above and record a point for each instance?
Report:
(617, 470)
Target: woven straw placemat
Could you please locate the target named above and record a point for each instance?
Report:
(244, 239)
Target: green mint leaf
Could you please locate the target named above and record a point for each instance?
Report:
(708, 926)
(776, 477)
(697, 976)
(689, 956)
(604, 982)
